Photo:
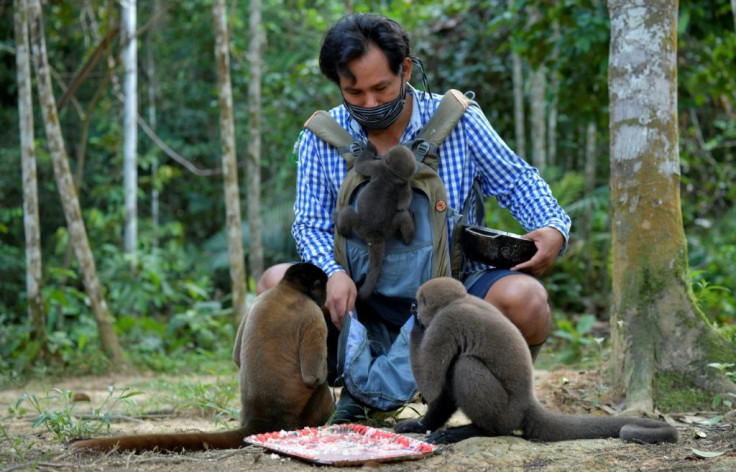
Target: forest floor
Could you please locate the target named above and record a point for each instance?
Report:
(708, 442)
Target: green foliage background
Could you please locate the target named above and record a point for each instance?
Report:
(175, 298)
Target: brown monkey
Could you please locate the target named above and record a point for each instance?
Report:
(382, 206)
(466, 354)
(281, 349)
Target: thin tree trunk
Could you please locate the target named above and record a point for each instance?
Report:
(255, 56)
(539, 117)
(67, 191)
(130, 129)
(518, 85)
(554, 89)
(86, 118)
(591, 159)
(229, 163)
(661, 340)
(151, 74)
(350, 7)
(591, 156)
(36, 311)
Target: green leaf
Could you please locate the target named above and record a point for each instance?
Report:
(710, 421)
(585, 324)
(707, 454)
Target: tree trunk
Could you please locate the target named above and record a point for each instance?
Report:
(554, 90)
(591, 156)
(36, 311)
(152, 96)
(86, 118)
(229, 164)
(539, 117)
(591, 159)
(67, 191)
(518, 84)
(662, 343)
(130, 129)
(255, 56)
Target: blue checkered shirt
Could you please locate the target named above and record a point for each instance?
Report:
(473, 150)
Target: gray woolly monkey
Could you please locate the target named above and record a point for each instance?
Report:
(281, 349)
(466, 354)
(382, 206)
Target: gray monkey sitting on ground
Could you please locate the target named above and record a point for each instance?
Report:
(466, 354)
(382, 206)
(281, 349)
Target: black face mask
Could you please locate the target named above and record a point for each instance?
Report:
(381, 116)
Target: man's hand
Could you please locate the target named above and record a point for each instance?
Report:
(549, 242)
(341, 293)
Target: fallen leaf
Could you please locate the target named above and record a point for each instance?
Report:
(710, 421)
(707, 454)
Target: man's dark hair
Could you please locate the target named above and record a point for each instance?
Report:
(350, 38)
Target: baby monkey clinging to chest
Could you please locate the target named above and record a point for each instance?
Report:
(382, 206)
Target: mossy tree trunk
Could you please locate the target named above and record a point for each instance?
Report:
(67, 190)
(661, 341)
(256, 47)
(229, 162)
(32, 228)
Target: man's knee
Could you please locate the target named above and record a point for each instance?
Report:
(524, 301)
(271, 277)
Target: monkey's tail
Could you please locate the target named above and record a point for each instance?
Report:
(164, 442)
(544, 425)
(376, 250)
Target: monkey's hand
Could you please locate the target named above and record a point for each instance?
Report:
(453, 435)
(411, 426)
(368, 163)
(345, 220)
(404, 222)
(312, 381)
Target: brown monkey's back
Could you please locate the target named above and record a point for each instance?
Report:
(271, 374)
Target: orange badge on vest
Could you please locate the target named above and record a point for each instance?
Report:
(440, 205)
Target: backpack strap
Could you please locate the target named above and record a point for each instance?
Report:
(451, 108)
(445, 118)
(327, 129)
(443, 121)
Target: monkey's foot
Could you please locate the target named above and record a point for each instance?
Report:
(410, 426)
(453, 435)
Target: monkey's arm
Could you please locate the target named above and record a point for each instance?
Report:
(365, 163)
(438, 412)
(403, 222)
(313, 349)
(346, 220)
(439, 348)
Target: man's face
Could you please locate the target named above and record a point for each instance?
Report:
(374, 83)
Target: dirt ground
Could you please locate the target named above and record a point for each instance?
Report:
(704, 445)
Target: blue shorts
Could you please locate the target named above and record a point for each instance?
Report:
(479, 284)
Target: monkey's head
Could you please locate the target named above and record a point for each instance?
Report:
(308, 279)
(401, 162)
(434, 295)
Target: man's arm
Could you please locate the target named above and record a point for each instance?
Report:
(313, 226)
(516, 185)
